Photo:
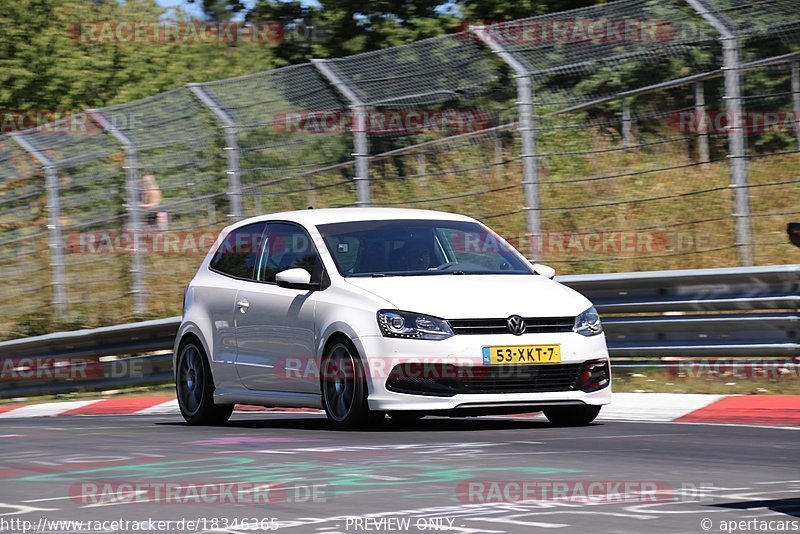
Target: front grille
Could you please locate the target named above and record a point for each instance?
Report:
(445, 380)
(534, 325)
(521, 378)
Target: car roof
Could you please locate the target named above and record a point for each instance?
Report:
(313, 217)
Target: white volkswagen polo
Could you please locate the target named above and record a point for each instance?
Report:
(369, 311)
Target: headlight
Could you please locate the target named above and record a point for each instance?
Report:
(412, 325)
(588, 323)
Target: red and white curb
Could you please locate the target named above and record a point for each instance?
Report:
(772, 410)
(117, 406)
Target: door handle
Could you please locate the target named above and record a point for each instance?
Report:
(243, 305)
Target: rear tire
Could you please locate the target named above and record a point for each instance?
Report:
(344, 389)
(572, 415)
(195, 388)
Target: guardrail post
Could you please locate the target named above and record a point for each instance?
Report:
(527, 131)
(702, 124)
(54, 225)
(133, 192)
(796, 99)
(360, 133)
(736, 128)
(231, 130)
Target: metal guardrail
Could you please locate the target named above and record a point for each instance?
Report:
(732, 312)
(749, 311)
(88, 359)
(115, 340)
(694, 290)
(94, 375)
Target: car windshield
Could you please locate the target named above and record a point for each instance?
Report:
(419, 247)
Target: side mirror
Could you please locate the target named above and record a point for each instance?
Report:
(793, 229)
(295, 279)
(544, 270)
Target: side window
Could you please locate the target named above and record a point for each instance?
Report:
(237, 254)
(287, 246)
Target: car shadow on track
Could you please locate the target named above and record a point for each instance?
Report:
(789, 507)
(436, 424)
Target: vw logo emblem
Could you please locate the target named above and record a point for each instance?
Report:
(516, 325)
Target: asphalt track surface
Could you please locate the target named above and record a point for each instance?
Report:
(396, 479)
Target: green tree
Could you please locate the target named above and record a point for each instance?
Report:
(220, 10)
(499, 10)
(337, 28)
(53, 59)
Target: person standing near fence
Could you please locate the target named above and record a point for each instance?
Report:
(150, 198)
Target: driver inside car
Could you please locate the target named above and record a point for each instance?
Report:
(415, 256)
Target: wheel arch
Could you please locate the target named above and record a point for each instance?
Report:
(359, 355)
(185, 332)
(330, 340)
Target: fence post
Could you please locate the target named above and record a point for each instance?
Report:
(360, 141)
(736, 128)
(527, 131)
(736, 141)
(498, 157)
(54, 224)
(702, 124)
(211, 211)
(796, 99)
(311, 197)
(626, 123)
(133, 192)
(231, 148)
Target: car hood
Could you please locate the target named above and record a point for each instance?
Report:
(476, 296)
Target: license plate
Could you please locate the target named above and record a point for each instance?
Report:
(521, 354)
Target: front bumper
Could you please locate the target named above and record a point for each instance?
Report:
(381, 354)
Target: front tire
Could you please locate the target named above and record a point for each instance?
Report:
(344, 389)
(572, 415)
(195, 388)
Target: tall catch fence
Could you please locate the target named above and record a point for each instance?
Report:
(632, 135)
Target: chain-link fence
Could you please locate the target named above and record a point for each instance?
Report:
(632, 135)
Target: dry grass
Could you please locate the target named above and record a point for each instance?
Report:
(655, 380)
